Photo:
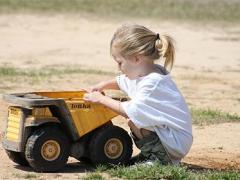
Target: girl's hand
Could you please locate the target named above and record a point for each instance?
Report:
(94, 97)
(110, 84)
(98, 87)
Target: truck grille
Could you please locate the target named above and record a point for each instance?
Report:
(13, 125)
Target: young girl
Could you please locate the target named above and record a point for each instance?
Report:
(158, 116)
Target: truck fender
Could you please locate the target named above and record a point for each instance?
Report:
(33, 121)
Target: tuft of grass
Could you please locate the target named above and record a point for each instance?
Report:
(93, 176)
(8, 71)
(46, 72)
(36, 76)
(141, 171)
(208, 116)
(30, 176)
(26, 176)
(158, 171)
(207, 10)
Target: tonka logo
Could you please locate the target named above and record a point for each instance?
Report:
(80, 106)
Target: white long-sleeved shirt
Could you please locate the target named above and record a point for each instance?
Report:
(157, 105)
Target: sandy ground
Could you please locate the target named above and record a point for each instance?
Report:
(207, 71)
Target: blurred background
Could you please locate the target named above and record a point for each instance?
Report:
(207, 10)
(64, 45)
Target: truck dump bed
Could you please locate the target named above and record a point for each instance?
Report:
(78, 116)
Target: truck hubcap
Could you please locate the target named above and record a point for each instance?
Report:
(50, 150)
(113, 148)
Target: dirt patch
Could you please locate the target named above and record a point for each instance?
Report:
(216, 146)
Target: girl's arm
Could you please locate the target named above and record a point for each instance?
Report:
(110, 84)
(97, 97)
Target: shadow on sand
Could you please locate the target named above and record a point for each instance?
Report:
(75, 167)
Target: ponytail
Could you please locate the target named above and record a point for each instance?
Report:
(137, 39)
(166, 49)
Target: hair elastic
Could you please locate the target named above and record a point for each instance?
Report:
(158, 37)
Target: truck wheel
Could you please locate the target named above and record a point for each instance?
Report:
(85, 159)
(111, 145)
(47, 149)
(17, 157)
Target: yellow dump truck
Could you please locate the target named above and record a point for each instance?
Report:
(44, 128)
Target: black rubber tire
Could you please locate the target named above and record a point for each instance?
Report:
(85, 160)
(17, 157)
(100, 138)
(35, 143)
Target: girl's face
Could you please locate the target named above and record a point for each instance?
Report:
(127, 66)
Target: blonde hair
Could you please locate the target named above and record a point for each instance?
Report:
(137, 39)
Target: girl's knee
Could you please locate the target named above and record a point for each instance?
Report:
(130, 123)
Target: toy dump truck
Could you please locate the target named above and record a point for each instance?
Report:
(45, 128)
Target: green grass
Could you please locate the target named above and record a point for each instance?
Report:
(8, 71)
(158, 171)
(26, 176)
(208, 116)
(207, 10)
(93, 176)
(30, 176)
(46, 72)
(15, 75)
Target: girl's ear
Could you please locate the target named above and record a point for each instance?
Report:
(134, 59)
(137, 59)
